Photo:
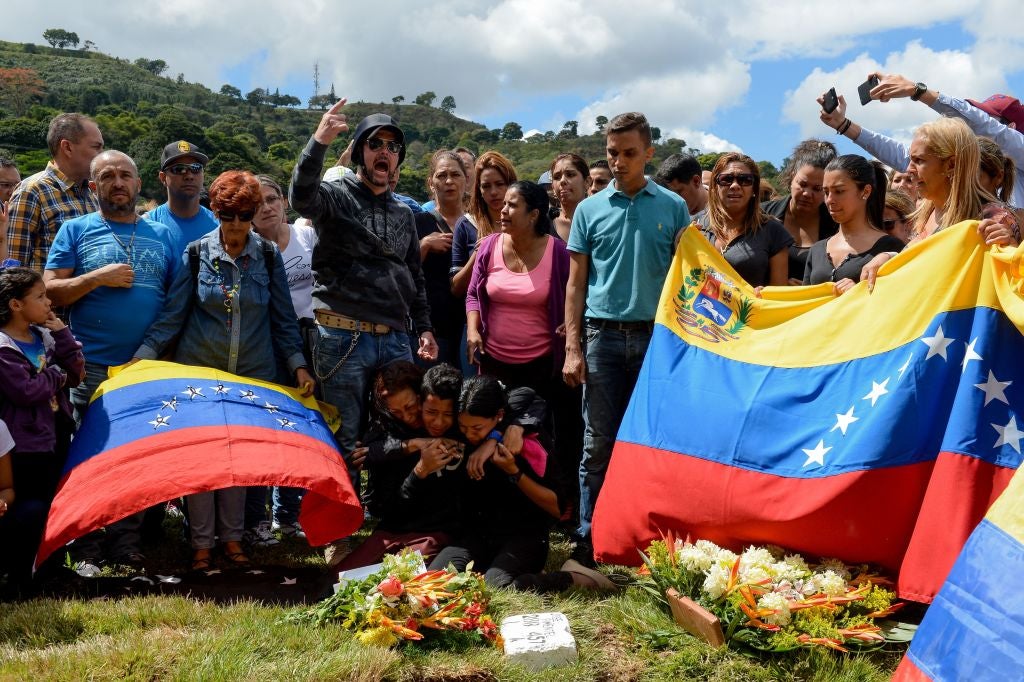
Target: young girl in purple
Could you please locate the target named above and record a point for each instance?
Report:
(38, 358)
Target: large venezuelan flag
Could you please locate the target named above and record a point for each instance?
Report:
(974, 629)
(158, 430)
(872, 427)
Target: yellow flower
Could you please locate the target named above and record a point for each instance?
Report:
(382, 637)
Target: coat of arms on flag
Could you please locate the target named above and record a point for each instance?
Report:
(709, 305)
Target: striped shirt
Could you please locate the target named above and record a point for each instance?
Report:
(38, 207)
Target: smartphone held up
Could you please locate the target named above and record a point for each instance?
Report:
(830, 101)
(865, 88)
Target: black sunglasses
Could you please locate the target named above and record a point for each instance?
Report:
(744, 179)
(244, 216)
(182, 168)
(376, 143)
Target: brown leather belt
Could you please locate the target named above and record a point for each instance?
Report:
(333, 320)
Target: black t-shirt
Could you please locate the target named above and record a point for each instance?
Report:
(447, 312)
(798, 254)
(749, 254)
(820, 268)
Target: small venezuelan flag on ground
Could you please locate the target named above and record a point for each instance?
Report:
(159, 430)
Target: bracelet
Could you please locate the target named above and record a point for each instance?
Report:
(843, 127)
(496, 435)
(514, 478)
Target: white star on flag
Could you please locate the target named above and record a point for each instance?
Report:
(270, 408)
(193, 392)
(877, 391)
(816, 455)
(287, 423)
(937, 344)
(843, 421)
(160, 421)
(1009, 434)
(172, 403)
(220, 389)
(969, 354)
(994, 389)
(906, 364)
(249, 395)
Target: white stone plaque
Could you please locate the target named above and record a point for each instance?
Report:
(538, 640)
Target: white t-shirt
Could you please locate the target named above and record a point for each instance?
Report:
(6, 442)
(298, 266)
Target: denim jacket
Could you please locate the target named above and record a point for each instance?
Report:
(243, 340)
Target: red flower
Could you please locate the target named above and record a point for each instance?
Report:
(412, 624)
(475, 609)
(391, 587)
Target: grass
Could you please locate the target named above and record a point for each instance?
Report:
(626, 636)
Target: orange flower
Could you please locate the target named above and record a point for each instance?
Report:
(391, 587)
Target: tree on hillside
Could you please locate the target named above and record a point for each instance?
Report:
(88, 45)
(569, 131)
(230, 91)
(708, 161)
(512, 131)
(257, 96)
(448, 104)
(601, 122)
(59, 38)
(426, 99)
(655, 133)
(19, 88)
(397, 99)
(154, 66)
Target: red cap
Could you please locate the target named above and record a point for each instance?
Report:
(1004, 107)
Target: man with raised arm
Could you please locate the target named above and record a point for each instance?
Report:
(368, 281)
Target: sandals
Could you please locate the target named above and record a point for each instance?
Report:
(201, 560)
(235, 555)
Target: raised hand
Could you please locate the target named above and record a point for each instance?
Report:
(332, 124)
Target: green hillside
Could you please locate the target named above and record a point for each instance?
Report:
(139, 112)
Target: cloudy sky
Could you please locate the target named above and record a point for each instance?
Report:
(720, 75)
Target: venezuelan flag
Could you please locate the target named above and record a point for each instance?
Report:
(871, 427)
(974, 629)
(158, 430)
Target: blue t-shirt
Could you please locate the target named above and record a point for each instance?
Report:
(629, 242)
(185, 230)
(111, 322)
(34, 350)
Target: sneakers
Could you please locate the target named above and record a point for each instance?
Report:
(88, 568)
(292, 530)
(260, 536)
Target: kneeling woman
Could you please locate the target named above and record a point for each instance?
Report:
(508, 513)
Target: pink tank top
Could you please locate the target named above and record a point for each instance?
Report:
(518, 329)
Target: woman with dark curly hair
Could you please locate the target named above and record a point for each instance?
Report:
(230, 309)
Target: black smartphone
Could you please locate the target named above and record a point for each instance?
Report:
(865, 88)
(831, 101)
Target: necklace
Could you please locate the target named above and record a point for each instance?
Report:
(130, 248)
(521, 264)
(232, 292)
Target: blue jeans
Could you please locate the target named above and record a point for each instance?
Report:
(345, 363)
(613, 358)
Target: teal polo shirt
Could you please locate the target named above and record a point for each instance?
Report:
(629, 241)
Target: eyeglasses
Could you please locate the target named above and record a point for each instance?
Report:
(891, 223)
(244, 216)
(744, 179)
(376, 143)
(182, 168)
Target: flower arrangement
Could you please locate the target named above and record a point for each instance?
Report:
(769, 600)
(402, 603)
